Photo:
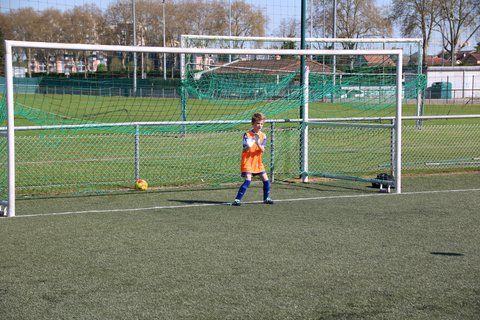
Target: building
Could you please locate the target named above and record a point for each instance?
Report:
(463, 81)
(437, 61)
(472, 59)
(375, 60)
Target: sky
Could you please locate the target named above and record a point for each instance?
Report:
(275, 10)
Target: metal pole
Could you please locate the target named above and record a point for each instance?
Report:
(334, 58)
(164, 43)
(311, 26)
(305, 118)
(272, 151)
(473, 87)
(302, 46)
(137, 152)
(398, 126)
(392, 147)
(303, 82)
(311, 19)
(420, 93)
(230, 28)
(183, 93)
(134, 54)
(323, 56)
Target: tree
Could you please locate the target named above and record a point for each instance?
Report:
(355, 19)
(288, 28)
(24, 31)
(2, 54)
(199, 17)
(458, 17)
(88, 24)
(116, 64)
(83, 24)
(27, 30)
(50, 28)
(118, 21)
(247, 20)
(417, 17)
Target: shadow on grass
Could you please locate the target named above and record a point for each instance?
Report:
(199, 201)
(450, 254)
(339, 186)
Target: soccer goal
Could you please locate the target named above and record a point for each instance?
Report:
(414, 81)
(84, 119)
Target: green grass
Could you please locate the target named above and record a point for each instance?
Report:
(351, 253)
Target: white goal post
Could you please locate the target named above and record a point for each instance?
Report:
(11, 128)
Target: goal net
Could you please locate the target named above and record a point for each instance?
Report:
(413, 78)
(86, 119)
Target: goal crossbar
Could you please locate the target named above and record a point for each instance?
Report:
(9, 44)
(285, 39)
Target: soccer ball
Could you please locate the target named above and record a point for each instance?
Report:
(141, 185)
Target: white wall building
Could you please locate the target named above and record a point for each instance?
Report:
(465, 81)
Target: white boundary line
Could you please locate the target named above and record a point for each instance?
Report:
(228, 203)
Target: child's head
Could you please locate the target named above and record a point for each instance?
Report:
(257, 117)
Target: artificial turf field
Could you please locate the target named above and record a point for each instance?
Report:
(324, 250)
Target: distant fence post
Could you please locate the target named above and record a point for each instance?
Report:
(137, 152)
(272, 151)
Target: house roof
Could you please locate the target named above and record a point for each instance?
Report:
(271, 66)
(462, 54)
(373, 59)
(436, 61)
(472, 57)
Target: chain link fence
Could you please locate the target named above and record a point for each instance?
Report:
(94, 162)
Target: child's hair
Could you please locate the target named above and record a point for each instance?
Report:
(257, 117)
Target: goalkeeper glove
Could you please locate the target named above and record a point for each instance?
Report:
(257, 139)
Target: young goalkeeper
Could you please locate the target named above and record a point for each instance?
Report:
(254, 142)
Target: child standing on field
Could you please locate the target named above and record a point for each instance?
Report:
(254, 142)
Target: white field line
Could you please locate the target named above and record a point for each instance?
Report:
(247, 202)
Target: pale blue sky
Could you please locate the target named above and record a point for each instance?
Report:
(275, 10)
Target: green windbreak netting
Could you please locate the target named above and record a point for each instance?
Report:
(233, 93)
(228, 91)
(55, 102)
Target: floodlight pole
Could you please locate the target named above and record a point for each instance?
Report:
(135, 53)
(311, 19)
(311, 25)
(230, 28)
(305, 119)
(334, 58)
(164, 55)
(302, 39)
